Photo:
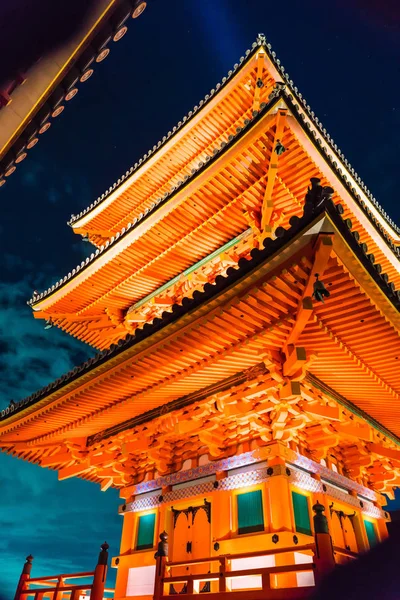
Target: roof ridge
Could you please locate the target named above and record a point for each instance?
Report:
(233, 274)
(261, 41)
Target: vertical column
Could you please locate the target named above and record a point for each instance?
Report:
(127, 533)
(382, 529)
(280, 510)
(100, 574)
(24, 577)
(280, 506)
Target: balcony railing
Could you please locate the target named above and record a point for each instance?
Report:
(58, 587)
(221, 577)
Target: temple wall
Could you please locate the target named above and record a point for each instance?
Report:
(249, 502)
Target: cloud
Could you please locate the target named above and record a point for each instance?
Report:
(61, 523)
(31, 356)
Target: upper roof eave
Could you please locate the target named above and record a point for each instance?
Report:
(328, 154)
(299, 227)
(359, 186)
(82, 219)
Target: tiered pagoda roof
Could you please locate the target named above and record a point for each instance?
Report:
(199, 190)
(205, 312)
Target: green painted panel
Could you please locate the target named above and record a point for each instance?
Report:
(145, 536)
(371, 533)
(301, 513)
(250, 512)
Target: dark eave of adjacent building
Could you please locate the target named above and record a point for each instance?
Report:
(50, 94)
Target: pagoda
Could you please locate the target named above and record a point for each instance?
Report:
(243, 298)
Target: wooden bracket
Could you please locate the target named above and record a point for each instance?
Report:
(296, 360)
(383, 451)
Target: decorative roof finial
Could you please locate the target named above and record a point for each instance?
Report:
(261, 39)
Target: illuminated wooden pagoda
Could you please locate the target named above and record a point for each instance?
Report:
(243, 299)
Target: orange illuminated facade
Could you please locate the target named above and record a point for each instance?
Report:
(242, 294)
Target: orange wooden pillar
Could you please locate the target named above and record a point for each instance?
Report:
(280, 507)
(324, 557)
(24, 577)
(100, 574)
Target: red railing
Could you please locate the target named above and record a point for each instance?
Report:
(343, 556)
(221, 578)
(58, 587)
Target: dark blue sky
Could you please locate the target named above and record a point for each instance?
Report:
(345, 60)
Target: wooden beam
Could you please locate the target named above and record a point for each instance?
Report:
(323, 249)
(56, 459)
(268, 203)
(138, 445)
(106, 484)
(360, 431)
(383, 451)
(321, 410)
(104, 323)
(295, 361)
(290, 390)
(303, 316)
(74, 471)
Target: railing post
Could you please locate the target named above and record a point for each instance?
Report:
(161, 558)
(57, 594)
(324, 557)
(222, 574)
(100, 574)
(24, 577)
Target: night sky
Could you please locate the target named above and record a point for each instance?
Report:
(344, 60)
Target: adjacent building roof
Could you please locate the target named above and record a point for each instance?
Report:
(28, 110)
